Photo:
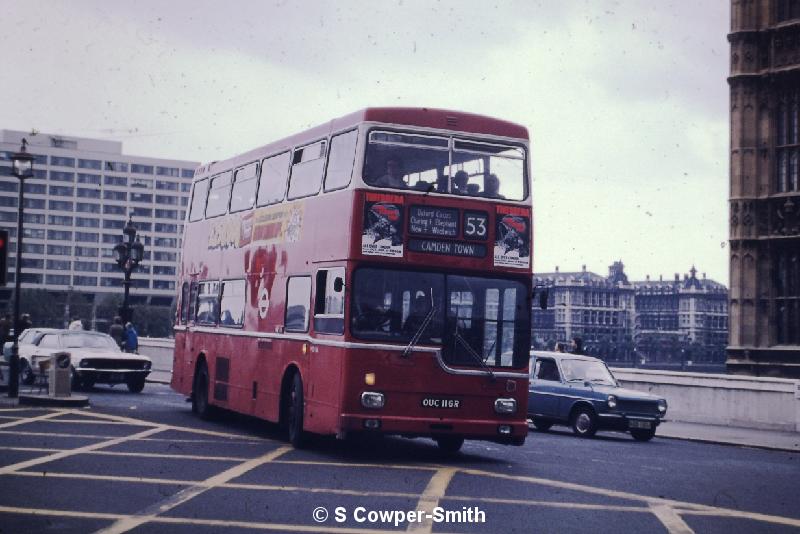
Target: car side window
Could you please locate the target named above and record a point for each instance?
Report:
(49, 341)
(547, 370)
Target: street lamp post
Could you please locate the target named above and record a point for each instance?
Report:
(22, 168)
(128, 253)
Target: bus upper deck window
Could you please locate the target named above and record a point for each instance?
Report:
(243, 195)
(340, 160)
(272, 184)
(219, 194)
(198, 200)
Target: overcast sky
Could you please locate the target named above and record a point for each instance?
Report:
(626, 102)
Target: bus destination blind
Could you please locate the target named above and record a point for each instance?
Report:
(433, 221)
(449, 248)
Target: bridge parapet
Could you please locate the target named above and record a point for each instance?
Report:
(717, 399)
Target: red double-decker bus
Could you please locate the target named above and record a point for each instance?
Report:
(372, 274)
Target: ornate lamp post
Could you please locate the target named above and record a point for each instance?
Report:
(22, 168)
(128, 253)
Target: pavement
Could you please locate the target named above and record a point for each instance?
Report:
(730, 435)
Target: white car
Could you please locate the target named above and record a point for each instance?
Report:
(96, 358)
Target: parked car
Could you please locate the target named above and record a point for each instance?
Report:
(581, 392)
(26, 348)
(96, 357)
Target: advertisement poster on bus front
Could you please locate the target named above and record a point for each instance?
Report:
(512, 246)
(382, 234)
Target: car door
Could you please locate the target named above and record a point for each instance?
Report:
(44, 347)
(545, 388)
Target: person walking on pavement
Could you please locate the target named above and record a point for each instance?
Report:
(117, 331)
(76, 324)
(25, 322)
(131, 339)
(5, 328)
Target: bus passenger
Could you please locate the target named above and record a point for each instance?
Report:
(394, 174)
(491, 187)
(460, 183)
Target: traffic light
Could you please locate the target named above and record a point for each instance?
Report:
(3, 257)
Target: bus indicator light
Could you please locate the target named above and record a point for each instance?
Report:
(369, 379)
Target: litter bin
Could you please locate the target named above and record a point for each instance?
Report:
(60, 375)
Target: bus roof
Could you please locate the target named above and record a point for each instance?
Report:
(423, 117)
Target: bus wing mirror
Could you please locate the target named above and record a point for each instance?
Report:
(544, 295)
(338, 285)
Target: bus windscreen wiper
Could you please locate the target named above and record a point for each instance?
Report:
(418, 334)
(472, 353)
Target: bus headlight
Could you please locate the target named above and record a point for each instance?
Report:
(372, 400)
(612, 401)
(505, 405)
(662, 406)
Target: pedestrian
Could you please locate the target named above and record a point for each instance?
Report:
(131, 339)
(117, 331)
(577, 346)
(560, 347)
(76, 324)
(24, 323)
(5, 328)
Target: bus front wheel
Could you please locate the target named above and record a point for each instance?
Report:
(200, 404)
(294, 412)
(450, 444)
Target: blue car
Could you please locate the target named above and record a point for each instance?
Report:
(580, 392)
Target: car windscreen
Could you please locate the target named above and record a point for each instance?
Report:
(89, 341)
(592, 371)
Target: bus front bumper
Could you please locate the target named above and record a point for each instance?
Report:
(511, 432)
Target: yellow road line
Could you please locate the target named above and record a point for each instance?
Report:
(314, 527)
(740, 514)
(430, 497)
(109, 478)
(709, 511)
(106, 436)
(201, 431)
(670, 519)
(32, 419)
(418, 467)
(130, 523)
(64, 454)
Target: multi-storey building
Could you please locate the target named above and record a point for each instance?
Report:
(765, 187)
(681, 321)
(597, 309)
(634, 323)
(75, 206)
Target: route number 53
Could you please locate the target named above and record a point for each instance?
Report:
(475, 226)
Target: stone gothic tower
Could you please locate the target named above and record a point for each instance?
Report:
(765, 188)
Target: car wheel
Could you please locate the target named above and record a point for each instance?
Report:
(643, 434)
(200, 404)
(75, 383)
(295, 412)
(450, 444)
(542, 424)
(135, 385)
(584, 422)
(26, 375)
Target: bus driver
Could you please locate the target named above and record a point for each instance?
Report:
(394, 174)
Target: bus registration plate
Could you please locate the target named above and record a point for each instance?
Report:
(441, 402)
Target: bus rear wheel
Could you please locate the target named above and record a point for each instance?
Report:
(294, 412)
(450, 444)
(200, 404)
